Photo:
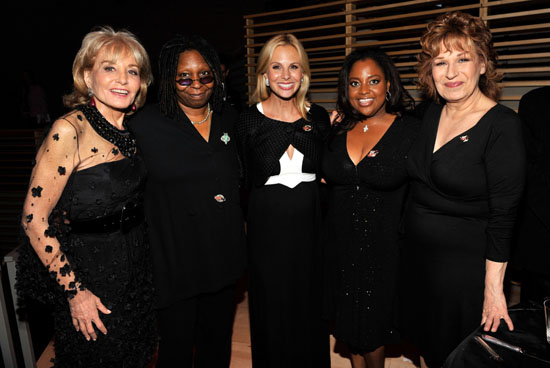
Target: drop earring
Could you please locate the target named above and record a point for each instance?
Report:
(388, 95)
(266, 81)
(91, 94)
(134, 108)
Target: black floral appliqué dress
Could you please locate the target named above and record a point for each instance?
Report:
(115, 266)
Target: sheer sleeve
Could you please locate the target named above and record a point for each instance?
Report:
(55, 161)
(505, 167)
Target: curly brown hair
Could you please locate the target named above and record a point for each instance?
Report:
(458, 31)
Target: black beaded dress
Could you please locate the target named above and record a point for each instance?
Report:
(114, 265)
(362, 238)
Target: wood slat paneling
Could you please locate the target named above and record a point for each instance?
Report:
(330, 31)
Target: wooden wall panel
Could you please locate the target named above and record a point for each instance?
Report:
(330, 31)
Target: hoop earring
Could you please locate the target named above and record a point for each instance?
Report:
(388, 95)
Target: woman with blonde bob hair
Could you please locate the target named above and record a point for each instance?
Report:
(118, 44)
(281, 139)
(85, 251)
(467, 176)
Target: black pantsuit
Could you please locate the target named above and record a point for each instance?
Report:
(195, 220)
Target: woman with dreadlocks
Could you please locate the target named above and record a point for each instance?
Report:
(192, 205)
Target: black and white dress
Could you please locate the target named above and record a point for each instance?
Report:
(283, 238)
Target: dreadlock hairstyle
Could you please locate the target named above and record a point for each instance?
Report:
(168, 65)
(398, 100)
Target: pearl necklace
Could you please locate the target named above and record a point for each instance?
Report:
(203, 120)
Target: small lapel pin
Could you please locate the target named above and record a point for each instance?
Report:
(372, 153)
(219, 198)
(464, 138)
(225, 138)
(307, 128)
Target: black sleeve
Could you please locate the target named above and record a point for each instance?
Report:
(505, 168)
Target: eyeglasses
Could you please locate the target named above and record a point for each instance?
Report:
(186, 82)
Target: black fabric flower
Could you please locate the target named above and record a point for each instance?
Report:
(37, 191)
(61, 170)
(29, 218)
(55, 137)
(50, 231)
(94, 150)
(48, 249)
(114, 151)
(65, 270)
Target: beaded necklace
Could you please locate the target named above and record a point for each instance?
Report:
(122, 139)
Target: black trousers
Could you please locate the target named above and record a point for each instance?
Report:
(196, 332)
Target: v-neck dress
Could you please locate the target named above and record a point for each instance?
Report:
(361, 239)
(463, 206)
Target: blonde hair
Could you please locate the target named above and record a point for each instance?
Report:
(117, 44)
(458, 31)
(262, 92)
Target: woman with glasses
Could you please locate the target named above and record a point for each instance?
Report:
(192, 205)
(281, 139)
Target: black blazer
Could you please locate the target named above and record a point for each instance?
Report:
(192, 203)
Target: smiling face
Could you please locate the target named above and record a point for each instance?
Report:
(192, 65)
(367, 88)
(284, 72)
(456, 73)
(115, 81)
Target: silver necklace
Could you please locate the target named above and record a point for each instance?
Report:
(203, 120)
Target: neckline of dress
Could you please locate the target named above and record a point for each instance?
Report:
(260, 109)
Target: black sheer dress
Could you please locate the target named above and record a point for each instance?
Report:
(113, 262)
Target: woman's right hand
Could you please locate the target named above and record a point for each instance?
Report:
(84, 306)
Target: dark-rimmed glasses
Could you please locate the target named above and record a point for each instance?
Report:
(186, 82)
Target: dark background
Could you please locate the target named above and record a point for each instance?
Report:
(43, 37)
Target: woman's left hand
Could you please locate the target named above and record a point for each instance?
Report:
(495, 309)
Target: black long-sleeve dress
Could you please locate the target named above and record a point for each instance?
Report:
(463, 205)
(283, 238)
(112, 262)
(362, 236)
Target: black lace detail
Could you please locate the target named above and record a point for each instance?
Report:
(123, 139)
